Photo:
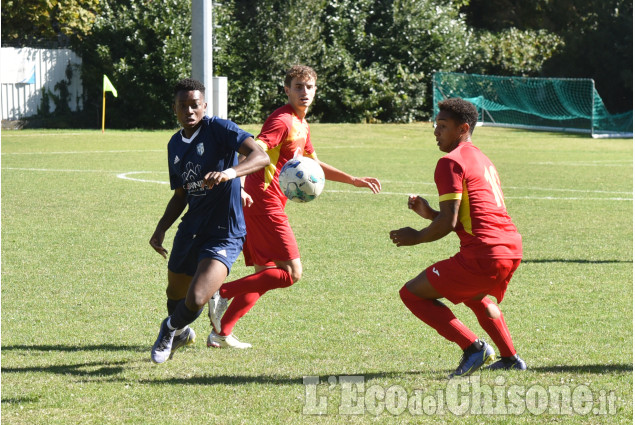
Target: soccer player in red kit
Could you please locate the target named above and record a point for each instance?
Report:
(270, 245)
(471, 204)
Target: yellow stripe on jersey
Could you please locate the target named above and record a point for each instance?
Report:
(274, 154)
(464, 211)
(464, 207)
(450, 197)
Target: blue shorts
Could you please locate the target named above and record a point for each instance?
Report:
(188, 250)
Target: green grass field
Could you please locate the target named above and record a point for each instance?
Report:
(83, 292)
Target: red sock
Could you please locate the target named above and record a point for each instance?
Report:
(260, 282)
(435, 314)
(495, 328)
(246, 291)
(240, 305)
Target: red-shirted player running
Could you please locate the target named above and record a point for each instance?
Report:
(270, 245)
(471, 204)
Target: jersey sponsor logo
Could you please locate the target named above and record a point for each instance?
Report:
(177, 160)
(192, 181)
(435, 271)
(200, 149)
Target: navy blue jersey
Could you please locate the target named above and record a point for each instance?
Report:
(213, 212)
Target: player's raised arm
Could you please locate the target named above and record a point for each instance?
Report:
(333, 174)
(255, 159)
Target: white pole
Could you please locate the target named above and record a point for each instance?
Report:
(202, 47)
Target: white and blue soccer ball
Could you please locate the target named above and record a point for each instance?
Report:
(301, 179)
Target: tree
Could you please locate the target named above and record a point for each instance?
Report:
(375, 58)
(597, 39)
(36, 22)
(144, 47)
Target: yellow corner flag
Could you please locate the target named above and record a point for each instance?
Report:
(107, 87)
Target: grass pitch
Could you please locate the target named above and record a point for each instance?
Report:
(83, 292)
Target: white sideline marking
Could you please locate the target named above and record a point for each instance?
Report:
(125, 176)
(505, 188)
(82, 152)
(549, 198)
(128, 176)
(608, 163)
(58, 170)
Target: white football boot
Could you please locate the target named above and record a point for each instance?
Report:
(218, 341)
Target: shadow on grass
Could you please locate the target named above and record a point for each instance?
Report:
(326, 379)
(103, 369)
(267, 379)
(86, 370)
(579, 261)
(75, 348)
(20, 400)
(109, 369)
(589, 368)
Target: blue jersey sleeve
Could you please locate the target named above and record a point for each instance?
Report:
(234, 135)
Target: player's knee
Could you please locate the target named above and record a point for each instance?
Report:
(406, 295)
(294, 269)
(296, 274)
(493, 312)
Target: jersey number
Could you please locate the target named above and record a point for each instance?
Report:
(492, 178)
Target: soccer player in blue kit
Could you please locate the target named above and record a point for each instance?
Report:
(203, 165)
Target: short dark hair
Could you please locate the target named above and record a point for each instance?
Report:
(189, 84)
(461, 110)
(299, 71)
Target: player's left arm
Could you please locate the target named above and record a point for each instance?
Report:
(333, 174)
(246, 198)
(255, 159)
(444, 223)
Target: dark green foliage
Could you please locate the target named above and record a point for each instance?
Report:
(597, 39)
(375, 58)
(144, 48)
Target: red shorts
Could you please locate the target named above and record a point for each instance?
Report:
(269, 238)
(459, 279)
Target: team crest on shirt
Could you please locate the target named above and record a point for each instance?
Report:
(200, 149)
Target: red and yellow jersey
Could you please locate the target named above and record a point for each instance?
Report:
(485, 229)
(282, 135)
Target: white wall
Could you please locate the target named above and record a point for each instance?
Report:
(26, 72)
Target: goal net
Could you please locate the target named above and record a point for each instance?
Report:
(555, 104)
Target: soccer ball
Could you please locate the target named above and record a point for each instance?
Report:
(301, 179)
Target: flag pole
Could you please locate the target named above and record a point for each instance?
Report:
(103, 113)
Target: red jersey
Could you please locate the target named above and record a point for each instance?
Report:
(282, 135)
(484, 229)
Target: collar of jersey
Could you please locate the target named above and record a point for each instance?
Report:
(188, 141)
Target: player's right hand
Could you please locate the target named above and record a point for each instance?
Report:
(156, 242)
(214, 178)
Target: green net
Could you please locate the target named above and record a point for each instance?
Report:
(557, 104)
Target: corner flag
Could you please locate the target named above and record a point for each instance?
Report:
(107, 87)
